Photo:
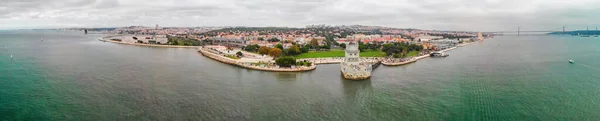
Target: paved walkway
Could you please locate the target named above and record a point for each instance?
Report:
(149, 45)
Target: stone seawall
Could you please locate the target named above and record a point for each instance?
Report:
(240, 64)
(356, 72)
(399, 63)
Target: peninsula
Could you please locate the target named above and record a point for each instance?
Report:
(300, 49)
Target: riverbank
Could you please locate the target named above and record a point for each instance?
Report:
(415, 59)
(206, 52)
(149, 45)
(315, 61)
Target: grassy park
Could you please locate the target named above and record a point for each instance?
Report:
(338, 53)
(412, 53)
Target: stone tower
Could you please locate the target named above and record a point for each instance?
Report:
(352, 54)
(351, 67)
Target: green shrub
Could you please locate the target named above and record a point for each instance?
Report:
(303, 63)
(286, 61)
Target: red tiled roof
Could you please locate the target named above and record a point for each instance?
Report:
(366, 40)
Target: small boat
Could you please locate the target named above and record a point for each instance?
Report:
(11, 57)
(571, 61)
(42, 39)
(438, 54)
(585, 35)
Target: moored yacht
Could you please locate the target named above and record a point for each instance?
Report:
(438, 54)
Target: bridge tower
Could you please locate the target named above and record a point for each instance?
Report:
(519, 31)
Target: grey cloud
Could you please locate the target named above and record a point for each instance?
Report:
(474, 15)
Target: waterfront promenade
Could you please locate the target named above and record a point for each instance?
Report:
(411, 60)
(142, 44)
(270, 66)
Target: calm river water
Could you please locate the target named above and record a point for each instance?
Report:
(72, 76)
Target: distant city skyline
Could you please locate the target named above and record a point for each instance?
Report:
(458, 15)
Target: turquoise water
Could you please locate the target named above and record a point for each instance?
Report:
(72, 76)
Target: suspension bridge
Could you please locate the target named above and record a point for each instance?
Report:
(524, 31)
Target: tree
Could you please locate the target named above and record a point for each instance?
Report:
(285, 61)
(387, 47)
(275, 52)
(305, 49)
(252, 48)
(370, 46)
(264, 50)
(239, 54)
(174, 42)
(361, 47)
(404, 51)
(294, 50)
(343, 45)
(273, 40)
(329, 39)
(261, 39)
(279, 46)
(314, 43)
(391, 49)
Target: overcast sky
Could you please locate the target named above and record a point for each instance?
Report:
(469, 15)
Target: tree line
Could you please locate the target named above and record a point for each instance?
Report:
(400, 49)
(173, 40)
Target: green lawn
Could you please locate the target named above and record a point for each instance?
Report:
(339, 53)
(372, 53)
(412, 53)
